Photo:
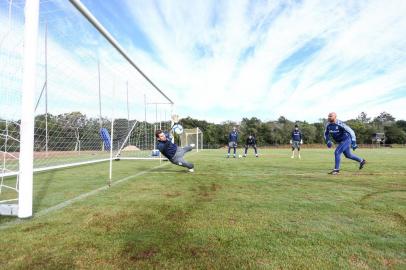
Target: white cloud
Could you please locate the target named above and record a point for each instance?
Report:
(73, 51)
(230, 59)
(362, 59)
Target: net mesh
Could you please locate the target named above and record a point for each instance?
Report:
(83, 85)
(192, 136)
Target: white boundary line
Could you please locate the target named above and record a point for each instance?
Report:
(68, 165)
(76, 199)
(42, 169)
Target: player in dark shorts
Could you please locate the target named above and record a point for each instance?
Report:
(296, 141)
(251, 142)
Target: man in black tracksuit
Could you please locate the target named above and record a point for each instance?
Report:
(251, 142)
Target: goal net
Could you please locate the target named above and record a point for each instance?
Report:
(90, 103)
(192, 136)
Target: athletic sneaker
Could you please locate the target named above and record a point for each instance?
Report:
(334, 172)
(244, 155)
(191, 170)
(362, 164)
(192, 145)
(256, 155)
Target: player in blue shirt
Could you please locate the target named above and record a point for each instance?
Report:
(171, 151)
(296, 141)
(344, 136)
(232, 141)
(251, 141)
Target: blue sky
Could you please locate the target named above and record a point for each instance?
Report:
(225, 60)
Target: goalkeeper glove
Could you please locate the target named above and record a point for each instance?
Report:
(329, 144)
(354, 145)
(290, 141)
(301, 141)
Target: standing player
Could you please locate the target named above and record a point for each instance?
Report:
(251, 141)
(171, 151)
(232, 141)
(296, 141)
(345, 137)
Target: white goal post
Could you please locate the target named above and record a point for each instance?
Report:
(192, 136)
(70, 95)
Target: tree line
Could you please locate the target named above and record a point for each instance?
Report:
(75, 131)
(278, 132)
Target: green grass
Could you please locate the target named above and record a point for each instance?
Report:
(270, 212)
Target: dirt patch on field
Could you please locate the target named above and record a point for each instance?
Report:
(134, 255)
(172, 194)
(214, 187)
(177, 215)
(207, 192)
(106, 222)
(144, 254)
(357, 262)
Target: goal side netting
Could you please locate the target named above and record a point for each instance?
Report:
(90, 102)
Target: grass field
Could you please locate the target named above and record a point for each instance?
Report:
(270, 212)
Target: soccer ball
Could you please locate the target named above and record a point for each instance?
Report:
(178, 129)
(239, 156)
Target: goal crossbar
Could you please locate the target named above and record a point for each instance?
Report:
(86, 13)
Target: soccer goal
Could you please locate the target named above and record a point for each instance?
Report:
(192, 136)
(70, 95)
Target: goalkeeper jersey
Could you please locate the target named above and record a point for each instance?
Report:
(233, 136)
(339, 131)
(167, 148)
(296, 135)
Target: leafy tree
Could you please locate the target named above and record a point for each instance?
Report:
(309, 132)
(40, 132)
(319, 134)
(66, 130)
(401, 124)
(121, 129)
(395, 134)
(362, 117)
(212, 136)
(11, 129)
(69, 129)
(250, 127)
(277, 133)
(359, 129)
(283, 120)
(383, 119)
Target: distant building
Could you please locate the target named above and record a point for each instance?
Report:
(378, 138)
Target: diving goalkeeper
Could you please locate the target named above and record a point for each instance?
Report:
(171, 151)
